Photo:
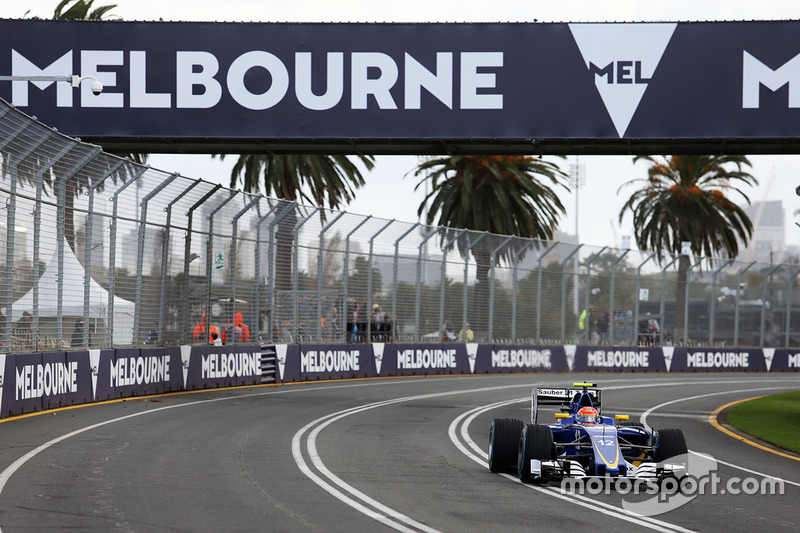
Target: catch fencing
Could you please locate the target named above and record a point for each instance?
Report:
(102, 252)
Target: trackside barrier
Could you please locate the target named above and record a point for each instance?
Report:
(33, 382)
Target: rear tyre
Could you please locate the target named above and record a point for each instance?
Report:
(503, 439)
(669, 443)
(536, 442)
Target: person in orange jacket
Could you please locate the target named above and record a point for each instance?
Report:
(200, 330)
(239, 332)
(238, 321)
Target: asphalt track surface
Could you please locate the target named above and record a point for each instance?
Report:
(371, 455)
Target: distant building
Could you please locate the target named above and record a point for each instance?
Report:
(768, 244)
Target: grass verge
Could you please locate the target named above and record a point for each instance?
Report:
(775, 419)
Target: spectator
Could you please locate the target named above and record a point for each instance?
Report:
(152, 335)
(654, 329)
(643, 332)
(77, 334)
(466, 334)
(227, 333)
(583, 324)
(602, 328)
(199, 332)
(387, 327)
(355, 317)
(377, 318)
(25, 330)
(244, 330)
(448, 335)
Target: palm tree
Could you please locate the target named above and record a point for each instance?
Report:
(322, 180)
(79, 10)
(501, 195)
(685, 199)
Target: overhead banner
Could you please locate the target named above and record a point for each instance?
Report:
(527, 87)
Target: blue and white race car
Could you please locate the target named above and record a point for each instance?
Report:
(582, 442)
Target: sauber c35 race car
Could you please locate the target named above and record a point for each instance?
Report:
(582, 442)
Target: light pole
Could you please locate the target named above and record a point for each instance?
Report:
(72, 79)
(577, 179)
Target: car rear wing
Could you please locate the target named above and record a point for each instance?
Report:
(563, 397)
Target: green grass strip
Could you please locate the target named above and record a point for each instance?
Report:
(775, 419)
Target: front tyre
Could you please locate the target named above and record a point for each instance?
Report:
(669, 443)
(536, 442)
(503, 438)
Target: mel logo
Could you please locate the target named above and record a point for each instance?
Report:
(622, 59)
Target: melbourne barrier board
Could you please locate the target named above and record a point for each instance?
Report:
(32, 382)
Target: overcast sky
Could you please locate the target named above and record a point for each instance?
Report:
(390, 191)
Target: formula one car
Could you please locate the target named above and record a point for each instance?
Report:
(582, 442)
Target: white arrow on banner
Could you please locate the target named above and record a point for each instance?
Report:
(769, 353)
(186, 356)
(280, 353)
(569, 351)
(668, 351)
(377, 353)
(472, 355)
(94, 364)
(622, 59)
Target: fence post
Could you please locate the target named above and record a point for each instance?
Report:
(291, 206)
(443, 276)
(11, 220)
(611, 296)
(736, 309)
(140, 253)
(396, 322)
(87, 252)
(346, 275)
(764, 303)
(61, 186)
(564, 293)
(112, 249)
(465, 303)
(37, 224)
(637, 298)
(295, 271)
(712, 314)
(187, 258)
(686, 303)
(417, 309)
(587, 290)
(514, 288)
(234, 242)
(210, 257)
(539, 290)
(257, 303)
(368, 310)
(491, 287)
(659, 338)
(320, 267)
(165, 253)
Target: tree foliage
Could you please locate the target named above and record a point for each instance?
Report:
(686, 198)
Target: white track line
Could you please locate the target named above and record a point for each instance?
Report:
(358, 500)
(650, 411)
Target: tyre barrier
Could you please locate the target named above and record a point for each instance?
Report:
(33, 382)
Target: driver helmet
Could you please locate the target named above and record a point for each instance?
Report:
(587, 415)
